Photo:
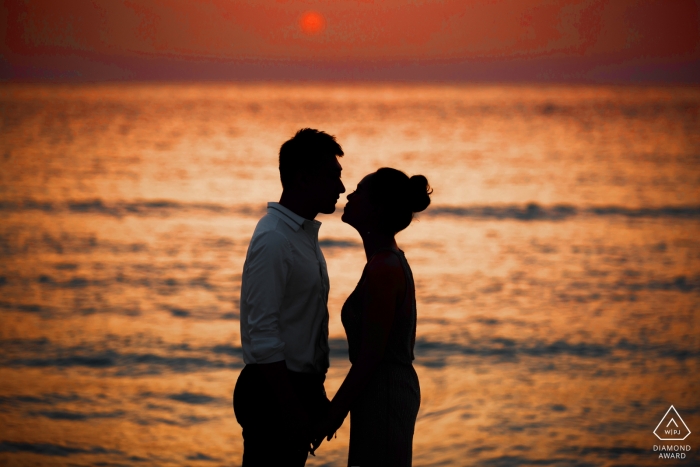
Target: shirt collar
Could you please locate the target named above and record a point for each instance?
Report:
(295, 221)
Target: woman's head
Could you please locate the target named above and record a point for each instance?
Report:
(386, 200)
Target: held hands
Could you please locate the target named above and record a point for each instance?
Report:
(318, 433)
(306, 436)
(326, 428)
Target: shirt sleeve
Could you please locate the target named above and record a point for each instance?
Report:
(267, 266)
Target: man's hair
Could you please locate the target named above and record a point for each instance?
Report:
(305, 152)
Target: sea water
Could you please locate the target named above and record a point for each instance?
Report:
(557, 269)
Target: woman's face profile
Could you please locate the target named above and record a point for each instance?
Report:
(359, 210)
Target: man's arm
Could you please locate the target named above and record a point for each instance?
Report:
(267, 268)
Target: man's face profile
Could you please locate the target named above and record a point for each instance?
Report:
(325, 186)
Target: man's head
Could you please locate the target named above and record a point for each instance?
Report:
(309, 169)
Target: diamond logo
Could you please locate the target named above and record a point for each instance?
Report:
(672, 427)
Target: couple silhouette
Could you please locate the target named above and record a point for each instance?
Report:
(279, 399)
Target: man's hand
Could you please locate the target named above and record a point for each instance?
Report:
(327, 427)
(300, 429)
(318, 433)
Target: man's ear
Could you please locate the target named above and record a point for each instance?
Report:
(302, 179)
(306, 180)
(296, 180)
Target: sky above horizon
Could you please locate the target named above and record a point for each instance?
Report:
(486, 40)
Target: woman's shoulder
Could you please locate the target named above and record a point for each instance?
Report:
(385, 259)
(386, 267)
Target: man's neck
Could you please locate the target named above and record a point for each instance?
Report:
(297, 205)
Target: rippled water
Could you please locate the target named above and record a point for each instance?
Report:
(558, 269)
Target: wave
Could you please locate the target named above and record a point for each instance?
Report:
(179, 359)
(337, 243)
(48, 449)
(145, 208)
(76, 416)
(521, 212)
(535, 212)
(527, 212)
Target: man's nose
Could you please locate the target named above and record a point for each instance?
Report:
(342, 187)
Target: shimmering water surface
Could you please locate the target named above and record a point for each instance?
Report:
(558, 269)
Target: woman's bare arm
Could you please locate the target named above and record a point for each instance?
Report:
(386, 287)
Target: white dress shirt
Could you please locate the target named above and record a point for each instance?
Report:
(284, 294)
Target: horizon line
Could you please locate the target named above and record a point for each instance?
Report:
(354, 81)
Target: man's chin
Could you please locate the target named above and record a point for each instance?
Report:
(328, 210)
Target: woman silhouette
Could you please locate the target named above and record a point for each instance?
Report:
(381, 391)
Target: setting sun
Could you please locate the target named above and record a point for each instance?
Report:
(312, 22)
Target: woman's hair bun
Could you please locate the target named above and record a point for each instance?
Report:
(398, 197)
(419, 193)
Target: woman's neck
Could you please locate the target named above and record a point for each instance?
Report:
(375, 241)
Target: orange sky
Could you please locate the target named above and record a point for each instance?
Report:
(587, 40)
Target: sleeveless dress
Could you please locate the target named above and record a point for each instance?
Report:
(383, 417)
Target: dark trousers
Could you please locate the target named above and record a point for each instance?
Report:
(269, 439)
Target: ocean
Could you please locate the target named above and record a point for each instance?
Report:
(557, 269)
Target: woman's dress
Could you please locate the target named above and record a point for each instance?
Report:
(383, 417)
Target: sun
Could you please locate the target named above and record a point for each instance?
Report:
(312, 23)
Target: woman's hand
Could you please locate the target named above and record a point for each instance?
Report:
(327, 427)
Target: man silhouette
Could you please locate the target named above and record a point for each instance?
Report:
(279, 394)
